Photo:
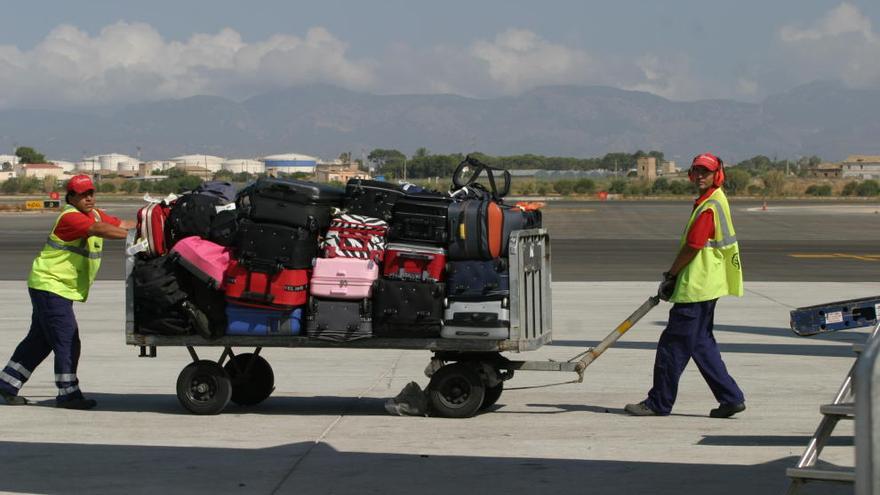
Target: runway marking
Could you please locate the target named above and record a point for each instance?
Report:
(860, 257)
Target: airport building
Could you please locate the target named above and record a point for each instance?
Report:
(290, 163)
(861, 167)
(38, 170)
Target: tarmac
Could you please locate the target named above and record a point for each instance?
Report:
(325, 431)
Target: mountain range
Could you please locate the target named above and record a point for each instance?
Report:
(821, 118)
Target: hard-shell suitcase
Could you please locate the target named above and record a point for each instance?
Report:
(476, 319)
(476, 230)
(192, 214)
(287, 247)
(344, 278)
(372, 198)
(252, 286)
(206, 260)
(339, 321)
(421, 218)
(294, 203)
(407, 309)
(246, 320)
(516, 218)
(478, 278)
(414, 262)
(151, 227)
(356, 236)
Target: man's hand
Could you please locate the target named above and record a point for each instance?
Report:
(667, 286)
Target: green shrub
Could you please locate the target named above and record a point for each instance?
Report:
(849, 188)
(584, 186)
(617, 186)
(868, 188)
(681, 187)
(660, 186)
(106, 187)
(564, 186)
(819, 190)
(755, 190)
(129, 186)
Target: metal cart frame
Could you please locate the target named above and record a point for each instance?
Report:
(466, 374)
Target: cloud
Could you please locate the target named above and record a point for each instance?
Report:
(132, 62)
(841, 45)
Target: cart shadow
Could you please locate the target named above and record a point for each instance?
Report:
(318, 468)
(301, 406)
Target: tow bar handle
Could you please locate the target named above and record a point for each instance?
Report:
(594, 352)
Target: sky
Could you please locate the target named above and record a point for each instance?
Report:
(59, 54)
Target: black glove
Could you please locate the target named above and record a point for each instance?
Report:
(667, 286)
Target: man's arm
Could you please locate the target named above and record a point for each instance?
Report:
(108, 231)
(127, 224)
(685, 256)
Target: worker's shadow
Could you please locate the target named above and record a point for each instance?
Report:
(567, 408)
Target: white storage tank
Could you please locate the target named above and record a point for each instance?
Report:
(68, 167)
(199, 162)
(238, 166)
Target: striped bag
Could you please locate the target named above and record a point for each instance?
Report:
(355, 236)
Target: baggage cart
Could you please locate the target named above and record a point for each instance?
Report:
(467, 375)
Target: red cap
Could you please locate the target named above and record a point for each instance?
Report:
(707, 160)
(80, 184)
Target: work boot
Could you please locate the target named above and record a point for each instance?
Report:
(81, 403)
(727, 410)
(13, 400)
(640, 409)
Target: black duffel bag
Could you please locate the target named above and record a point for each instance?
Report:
(476, 279)
(191, 214)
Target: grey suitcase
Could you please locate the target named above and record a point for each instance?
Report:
(339, 321)
(476, 319)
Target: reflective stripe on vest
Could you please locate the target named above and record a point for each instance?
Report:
(75, 249)
(716, 270)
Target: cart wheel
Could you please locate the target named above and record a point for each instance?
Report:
(203, 387)
(250, 386)
(456, 391)
(492, 395)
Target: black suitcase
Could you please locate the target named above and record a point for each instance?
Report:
(421, 218)
(478, 278)
(517, 219)
(339, 321)
(294, 203)
(192, 214)
(407, 309)
(373, 198)
(276, 245)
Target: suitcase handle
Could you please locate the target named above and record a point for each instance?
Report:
(481, 167)
(414, 256)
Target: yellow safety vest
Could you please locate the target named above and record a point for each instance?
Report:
(717, 269)
(67, 268)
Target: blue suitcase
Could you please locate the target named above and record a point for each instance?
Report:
(834, 316)
(477, 278)
(245, 320)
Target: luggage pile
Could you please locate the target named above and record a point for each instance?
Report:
(287, 257)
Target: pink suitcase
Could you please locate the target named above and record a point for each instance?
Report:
(344, 278)
(204, 259)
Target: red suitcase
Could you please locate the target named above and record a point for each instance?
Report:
(151, 227)
(284, 289)
(414, 262)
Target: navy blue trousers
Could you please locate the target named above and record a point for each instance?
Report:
(53, 329)
(689, 335)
